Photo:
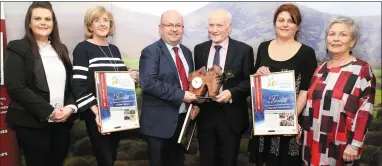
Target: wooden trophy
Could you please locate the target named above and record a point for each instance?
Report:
(201, 81)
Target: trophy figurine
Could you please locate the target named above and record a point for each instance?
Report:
(202, 81)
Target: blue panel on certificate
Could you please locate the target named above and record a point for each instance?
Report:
(274, 104)
(278, 100)
(117, 103)
(119, 97)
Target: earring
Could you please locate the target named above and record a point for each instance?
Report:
(327, 51)
(50, 38)
(350, 52)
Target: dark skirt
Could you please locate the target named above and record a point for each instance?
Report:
(274, 151)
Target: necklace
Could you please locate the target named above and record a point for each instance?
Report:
(115, 63)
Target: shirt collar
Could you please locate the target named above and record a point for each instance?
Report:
(224, 44)
(169, 47)
(43, 45)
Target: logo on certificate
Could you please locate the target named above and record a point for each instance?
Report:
(271, 82)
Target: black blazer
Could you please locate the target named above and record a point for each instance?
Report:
(27, 87)
(240, 60)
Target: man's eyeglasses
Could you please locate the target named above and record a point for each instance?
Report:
(177, 26)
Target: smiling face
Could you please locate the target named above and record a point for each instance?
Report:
(171, 27)
(41, 23)
(100, 26)
(339, 39)
(284, 25)
(219, 26)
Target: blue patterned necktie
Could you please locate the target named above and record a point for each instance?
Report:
(217, 55)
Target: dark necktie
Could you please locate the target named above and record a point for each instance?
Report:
(181, 70)
(217, 55)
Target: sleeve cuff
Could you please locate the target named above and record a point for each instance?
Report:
(233, 95)
(75, 109)
(49, 118)
(85, 103)
(357, 144)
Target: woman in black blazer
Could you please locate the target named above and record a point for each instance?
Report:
(38, 80)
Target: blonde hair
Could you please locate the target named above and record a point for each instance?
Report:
(91, 15)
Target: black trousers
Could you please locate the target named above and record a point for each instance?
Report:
(167, 152)
(44, 147)
(104, 146)
(218, 145)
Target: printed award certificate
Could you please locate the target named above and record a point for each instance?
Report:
(117, 102)
(274, 104)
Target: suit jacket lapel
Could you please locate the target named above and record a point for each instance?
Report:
(41, 80)
(167, 55)
(230, 55)
(206, 53)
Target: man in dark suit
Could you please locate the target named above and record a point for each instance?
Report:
(222, 122)
(164, 67)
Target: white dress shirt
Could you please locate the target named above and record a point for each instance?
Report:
(55, 75)
(182, 108)
(223, 56)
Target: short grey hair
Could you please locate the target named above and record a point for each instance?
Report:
(348, 21)
(226, 13)
(229, 17)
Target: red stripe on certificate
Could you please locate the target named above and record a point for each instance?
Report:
(103, 87)
(258, 96)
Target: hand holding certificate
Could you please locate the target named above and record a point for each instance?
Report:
(117, 103)
(274, 100)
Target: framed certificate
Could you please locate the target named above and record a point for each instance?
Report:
(1, 59)
(117, 101)
(274, 104)
(188, 130)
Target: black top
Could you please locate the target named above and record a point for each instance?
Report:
(87, 58)
(279, 150)
(303, 63)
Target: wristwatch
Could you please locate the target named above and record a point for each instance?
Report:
(354, 147)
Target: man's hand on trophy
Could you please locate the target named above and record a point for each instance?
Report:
(224, 97)
(220, 79)
(189, 97)
(194, 112)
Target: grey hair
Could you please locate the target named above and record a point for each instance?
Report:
(227, 14)
(229, 17)
(348, 21)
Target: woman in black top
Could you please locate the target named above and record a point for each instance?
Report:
(96, 54)
(283, 54)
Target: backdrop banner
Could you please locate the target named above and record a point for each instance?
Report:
(136, 26)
